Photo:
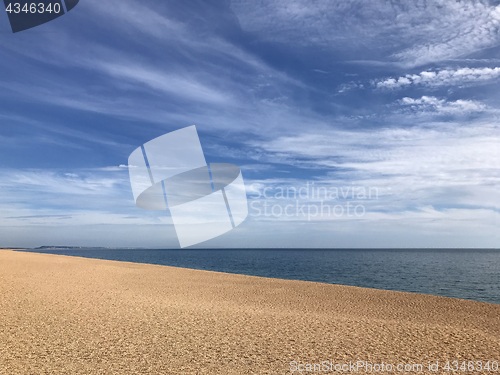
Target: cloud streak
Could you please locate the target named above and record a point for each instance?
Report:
(445, 163)
(443, 106)
(412, 33)
(444, 77)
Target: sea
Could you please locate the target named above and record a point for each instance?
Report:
(472, 274)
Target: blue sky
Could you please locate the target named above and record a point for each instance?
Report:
(346, 94)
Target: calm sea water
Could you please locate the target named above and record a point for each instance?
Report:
(466, 274)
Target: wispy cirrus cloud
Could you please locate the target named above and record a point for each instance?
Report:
(459, 30)
(173, 84)
(189, 73)
(441, 162)
(77, 197)
(412, 33)
(129, 15)
(61, 182)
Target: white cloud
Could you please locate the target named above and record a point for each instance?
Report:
(173, 84)
(350, 86)
(51, 181)
(12, 216)
(77, 198)
(466, 27)
(134, 15)
(441, 163)
(442, 106)
(185, 76)
(413, 33)
(444, 77)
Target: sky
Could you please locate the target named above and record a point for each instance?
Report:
(391, 108)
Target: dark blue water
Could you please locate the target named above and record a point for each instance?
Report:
(466, 274)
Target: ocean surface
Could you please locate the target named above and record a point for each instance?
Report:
(466, 274)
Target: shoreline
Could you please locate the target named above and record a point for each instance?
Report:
(394, 286)
(82, 315)
(247, 275)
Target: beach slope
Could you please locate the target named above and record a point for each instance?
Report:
(67, 315)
